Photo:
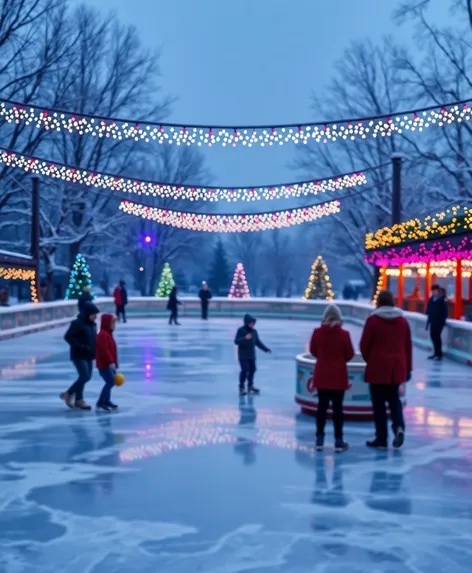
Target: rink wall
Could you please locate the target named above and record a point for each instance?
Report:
(26, 318)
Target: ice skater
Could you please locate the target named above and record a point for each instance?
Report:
(332, 347)
(205, 297)
(173, 306)
(81, 336)
(246, 340)
(107, 361)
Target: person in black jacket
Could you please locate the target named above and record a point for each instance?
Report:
(85, 297)
(173, 306)
(81, 337)
(205, 297)
(246, 340)
(437, 316)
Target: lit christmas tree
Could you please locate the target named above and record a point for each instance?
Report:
(239, 288)
(80, 278)
(166, 282)
(319, 285)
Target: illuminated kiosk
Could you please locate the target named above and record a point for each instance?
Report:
(357, 404)
(426, 251)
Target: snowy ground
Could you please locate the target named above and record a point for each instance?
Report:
(187, 478)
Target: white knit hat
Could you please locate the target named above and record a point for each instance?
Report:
(332, 315)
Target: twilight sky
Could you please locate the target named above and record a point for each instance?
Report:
(254, 61)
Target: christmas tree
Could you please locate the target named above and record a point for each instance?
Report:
(80, 278)
(319, 286)
(166, 282)
(239, 288)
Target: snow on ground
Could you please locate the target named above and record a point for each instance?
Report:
(189, 478)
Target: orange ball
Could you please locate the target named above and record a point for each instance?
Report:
(119, 379)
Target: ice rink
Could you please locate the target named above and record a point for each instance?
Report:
(188, 478)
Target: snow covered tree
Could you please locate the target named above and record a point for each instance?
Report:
(220, 273)
(166, 283)
(319, 285)
(80, 278)
(239, 288)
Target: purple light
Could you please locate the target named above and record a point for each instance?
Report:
(147, 239)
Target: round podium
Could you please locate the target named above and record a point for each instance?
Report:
(357, 404)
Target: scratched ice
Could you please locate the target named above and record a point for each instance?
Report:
(189, 478)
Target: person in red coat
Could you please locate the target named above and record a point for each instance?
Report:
(387, 350)
(106, 355)
(332, 347)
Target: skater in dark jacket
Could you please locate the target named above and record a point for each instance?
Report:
(205, 297)
(437, 316)
(85, 297)
(173, 306)
(247, 339)
(81, 337)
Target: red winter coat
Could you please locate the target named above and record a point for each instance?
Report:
(386, 347)
(332, 348)
(106, 352)
(117, 296)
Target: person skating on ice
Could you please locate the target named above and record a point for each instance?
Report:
(173, 306)
(332, 347)
(247, 338)
(107, 361)
(81, 337)
(436, 312)
(205, 297)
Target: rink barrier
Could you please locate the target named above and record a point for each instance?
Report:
(26, 318)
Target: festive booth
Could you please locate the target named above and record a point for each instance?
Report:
(418, 253)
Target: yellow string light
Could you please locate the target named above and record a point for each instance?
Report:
(16, 274)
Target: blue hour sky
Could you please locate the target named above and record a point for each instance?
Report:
(254, 61)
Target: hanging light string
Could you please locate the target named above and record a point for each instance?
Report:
(238, 222)
(382, 125)
(68, 173)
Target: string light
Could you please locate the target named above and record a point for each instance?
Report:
(380, 286)
(17, 274)
(242, 223)
(233, 136)
(239, 288)
(70, 174)
(452, 221)
(319, 286)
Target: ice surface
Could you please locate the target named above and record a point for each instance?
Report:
(189, 478)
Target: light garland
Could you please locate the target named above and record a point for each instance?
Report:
(450, 222)
(379, 287)
(17, 274)
(233, 136)
(319, 269)
(67, 173)
(242, 223)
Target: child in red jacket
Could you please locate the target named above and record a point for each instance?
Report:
(332, 347)
(107, 361)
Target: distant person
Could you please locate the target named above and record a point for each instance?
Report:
(247, 338)
(81, 337)
(4, 297)
(436, 312)
(120, 295)
(107, 361)
(85, 297)
(205, 297)
(387, 350)
(332, 347)
(347, 292)
(173, 305)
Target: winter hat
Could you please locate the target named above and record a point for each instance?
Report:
(332, 315)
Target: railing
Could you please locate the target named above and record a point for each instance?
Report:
(27, 318)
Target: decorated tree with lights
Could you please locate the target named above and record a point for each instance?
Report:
(319, 285)
(239, 288)
(166, 282)
(80, 278)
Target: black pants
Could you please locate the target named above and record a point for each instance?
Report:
(336, 398)
(381, 394)
(121, 311)
(435, 333)
(204, 311)
(248, 369)
(174, 316)
(84, 370)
